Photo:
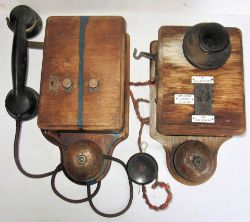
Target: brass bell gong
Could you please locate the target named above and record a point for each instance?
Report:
(82, 161)
(193, 161)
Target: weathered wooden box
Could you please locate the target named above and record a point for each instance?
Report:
(83, 74)
(194, 110)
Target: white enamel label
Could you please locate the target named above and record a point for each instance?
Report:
(203, 119)
(184, 99)
(202, 79)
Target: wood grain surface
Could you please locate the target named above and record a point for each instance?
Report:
(174, 77)
(104, 60)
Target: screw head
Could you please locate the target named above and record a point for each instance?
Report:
(67, 83)
(93, 83)
(81, 159)
(197, 161)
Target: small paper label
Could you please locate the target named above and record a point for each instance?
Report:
(184, 99)
(203, 79)
(203, 119)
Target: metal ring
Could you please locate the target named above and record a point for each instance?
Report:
(144, 146)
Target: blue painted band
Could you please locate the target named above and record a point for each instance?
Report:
(83, 23)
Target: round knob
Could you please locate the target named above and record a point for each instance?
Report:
(142, 168)
(93, 83)
(67, 83)
(193, 161)
(82, 161)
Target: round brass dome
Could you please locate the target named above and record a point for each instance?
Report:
(193, 161)
(82, 161)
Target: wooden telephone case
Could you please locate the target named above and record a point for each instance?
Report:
(171, 124)
(83, 89)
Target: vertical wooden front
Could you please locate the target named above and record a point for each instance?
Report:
(103, 52)
(174, 77)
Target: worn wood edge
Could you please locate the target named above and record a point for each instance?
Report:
(170, 143)
(243, 84)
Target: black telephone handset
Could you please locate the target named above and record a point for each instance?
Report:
(22, 101)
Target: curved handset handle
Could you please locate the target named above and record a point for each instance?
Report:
(22, 102)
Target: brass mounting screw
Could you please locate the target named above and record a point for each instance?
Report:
(67, 83)
(93, 83)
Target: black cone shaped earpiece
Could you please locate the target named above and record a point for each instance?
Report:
(207, 46)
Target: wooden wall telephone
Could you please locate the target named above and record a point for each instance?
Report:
(197, 102)
(83, 107)
(81, 98)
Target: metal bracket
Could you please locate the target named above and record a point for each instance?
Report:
(145, 55)
(203, 99)
(35, 45)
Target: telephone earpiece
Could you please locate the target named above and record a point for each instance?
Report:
(207, 46)
(22, 101)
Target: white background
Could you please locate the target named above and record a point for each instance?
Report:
(225, 197)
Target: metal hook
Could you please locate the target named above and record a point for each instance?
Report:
(145, 55)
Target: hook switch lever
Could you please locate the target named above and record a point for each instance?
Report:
(147, 55)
